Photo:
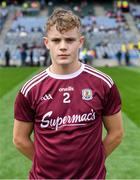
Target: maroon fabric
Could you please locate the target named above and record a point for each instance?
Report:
(67, 116)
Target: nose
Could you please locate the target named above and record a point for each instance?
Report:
(63, 46)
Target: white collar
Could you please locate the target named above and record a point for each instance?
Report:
(66, 76)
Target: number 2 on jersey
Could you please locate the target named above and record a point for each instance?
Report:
(66, 97)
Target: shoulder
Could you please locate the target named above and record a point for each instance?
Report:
(33, 82)
(99, 75)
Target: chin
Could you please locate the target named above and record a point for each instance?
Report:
(64, 62)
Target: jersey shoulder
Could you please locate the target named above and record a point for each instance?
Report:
(99, 75)
(33, 81)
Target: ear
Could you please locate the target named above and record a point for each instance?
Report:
(46, 42)
(82, 40)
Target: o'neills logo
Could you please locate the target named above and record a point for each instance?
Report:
(68, 120)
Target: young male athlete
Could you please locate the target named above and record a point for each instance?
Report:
(65, 106)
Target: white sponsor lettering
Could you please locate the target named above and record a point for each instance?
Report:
(70, 88)
(68, 120)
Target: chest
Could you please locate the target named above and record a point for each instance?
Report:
(68, 98)
(68, 104)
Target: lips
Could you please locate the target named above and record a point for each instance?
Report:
(63, 55)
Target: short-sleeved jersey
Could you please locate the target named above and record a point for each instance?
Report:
(67, 112)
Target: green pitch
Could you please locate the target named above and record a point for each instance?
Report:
(10, 77)
(124, 163)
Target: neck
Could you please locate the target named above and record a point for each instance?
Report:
(65, 69)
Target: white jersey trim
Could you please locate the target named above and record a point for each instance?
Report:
(99, 76)
(66, 76)
(32, 82)
(99, 72)
(30, 87)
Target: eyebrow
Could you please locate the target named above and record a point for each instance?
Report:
(67, 38)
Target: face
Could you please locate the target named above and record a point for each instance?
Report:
(64, 47)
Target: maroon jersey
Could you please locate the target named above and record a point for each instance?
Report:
(67, 113)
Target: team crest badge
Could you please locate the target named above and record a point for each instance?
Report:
(87, 94)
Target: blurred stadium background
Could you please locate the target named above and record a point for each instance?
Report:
(112, 45)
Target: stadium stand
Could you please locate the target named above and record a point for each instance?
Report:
(106, 28)
(3, 16)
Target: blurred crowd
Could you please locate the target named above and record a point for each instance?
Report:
(107, 37)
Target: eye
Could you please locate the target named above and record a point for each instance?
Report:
(56, 40)
(70, 40)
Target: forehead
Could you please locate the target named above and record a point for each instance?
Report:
(53, 32)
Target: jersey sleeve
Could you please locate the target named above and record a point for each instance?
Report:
(22, 109)
(112, 103)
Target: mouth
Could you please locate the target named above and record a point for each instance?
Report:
(63, 55)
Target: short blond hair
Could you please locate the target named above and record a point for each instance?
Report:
(64, 20)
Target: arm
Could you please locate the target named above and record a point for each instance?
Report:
(21, 138)
(114, 127)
